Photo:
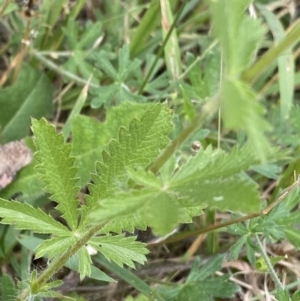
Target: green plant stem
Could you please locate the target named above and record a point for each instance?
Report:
(291, 39)
(209, 109)
(161, 50)
(289, 286)
(57, 263)
(268, 263)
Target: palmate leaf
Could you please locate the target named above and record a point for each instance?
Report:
(57, 169)
(121, 249)
(201, 284)
(26, 217)
(117, 91)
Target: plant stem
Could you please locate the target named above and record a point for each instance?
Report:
(57, 263)
(291, 39)
(268, 263)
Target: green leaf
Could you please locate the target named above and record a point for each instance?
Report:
(293, 235)
(211, 178)
(130, 222)
(57, 169)
(241, 111)
(250, 251)
(201, 284)
(236, 248)
(296, 296)
(195, 164)
(239, 34)
(189, 107)
(209, 164)
(90, 136)
(129, 277)
(31, 243)
(145, 28)
(171, 49)
(286, 66)
(7, 288)
(126, 67)
(119, 206)
(235, 193)
(103, 63)
(54, 246)
(208, 269)
(214, 179)
(84, 263)
(26, 217)
(137, 146)
(142, 208)
(145, 178)
(188, 211)
(120, 249)
(270, 171)
(49, 285)
(31, 95)
(76, 110)
(295, 121)
(270, 223)
(118, 91)
(163, 213)
(283, 295)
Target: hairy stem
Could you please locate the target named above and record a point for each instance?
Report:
(268, 263)
(57, 263)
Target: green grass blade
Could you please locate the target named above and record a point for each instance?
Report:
(172, 51)
(272, 54)
(76, 109)
(285, 64)
(149, 22)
